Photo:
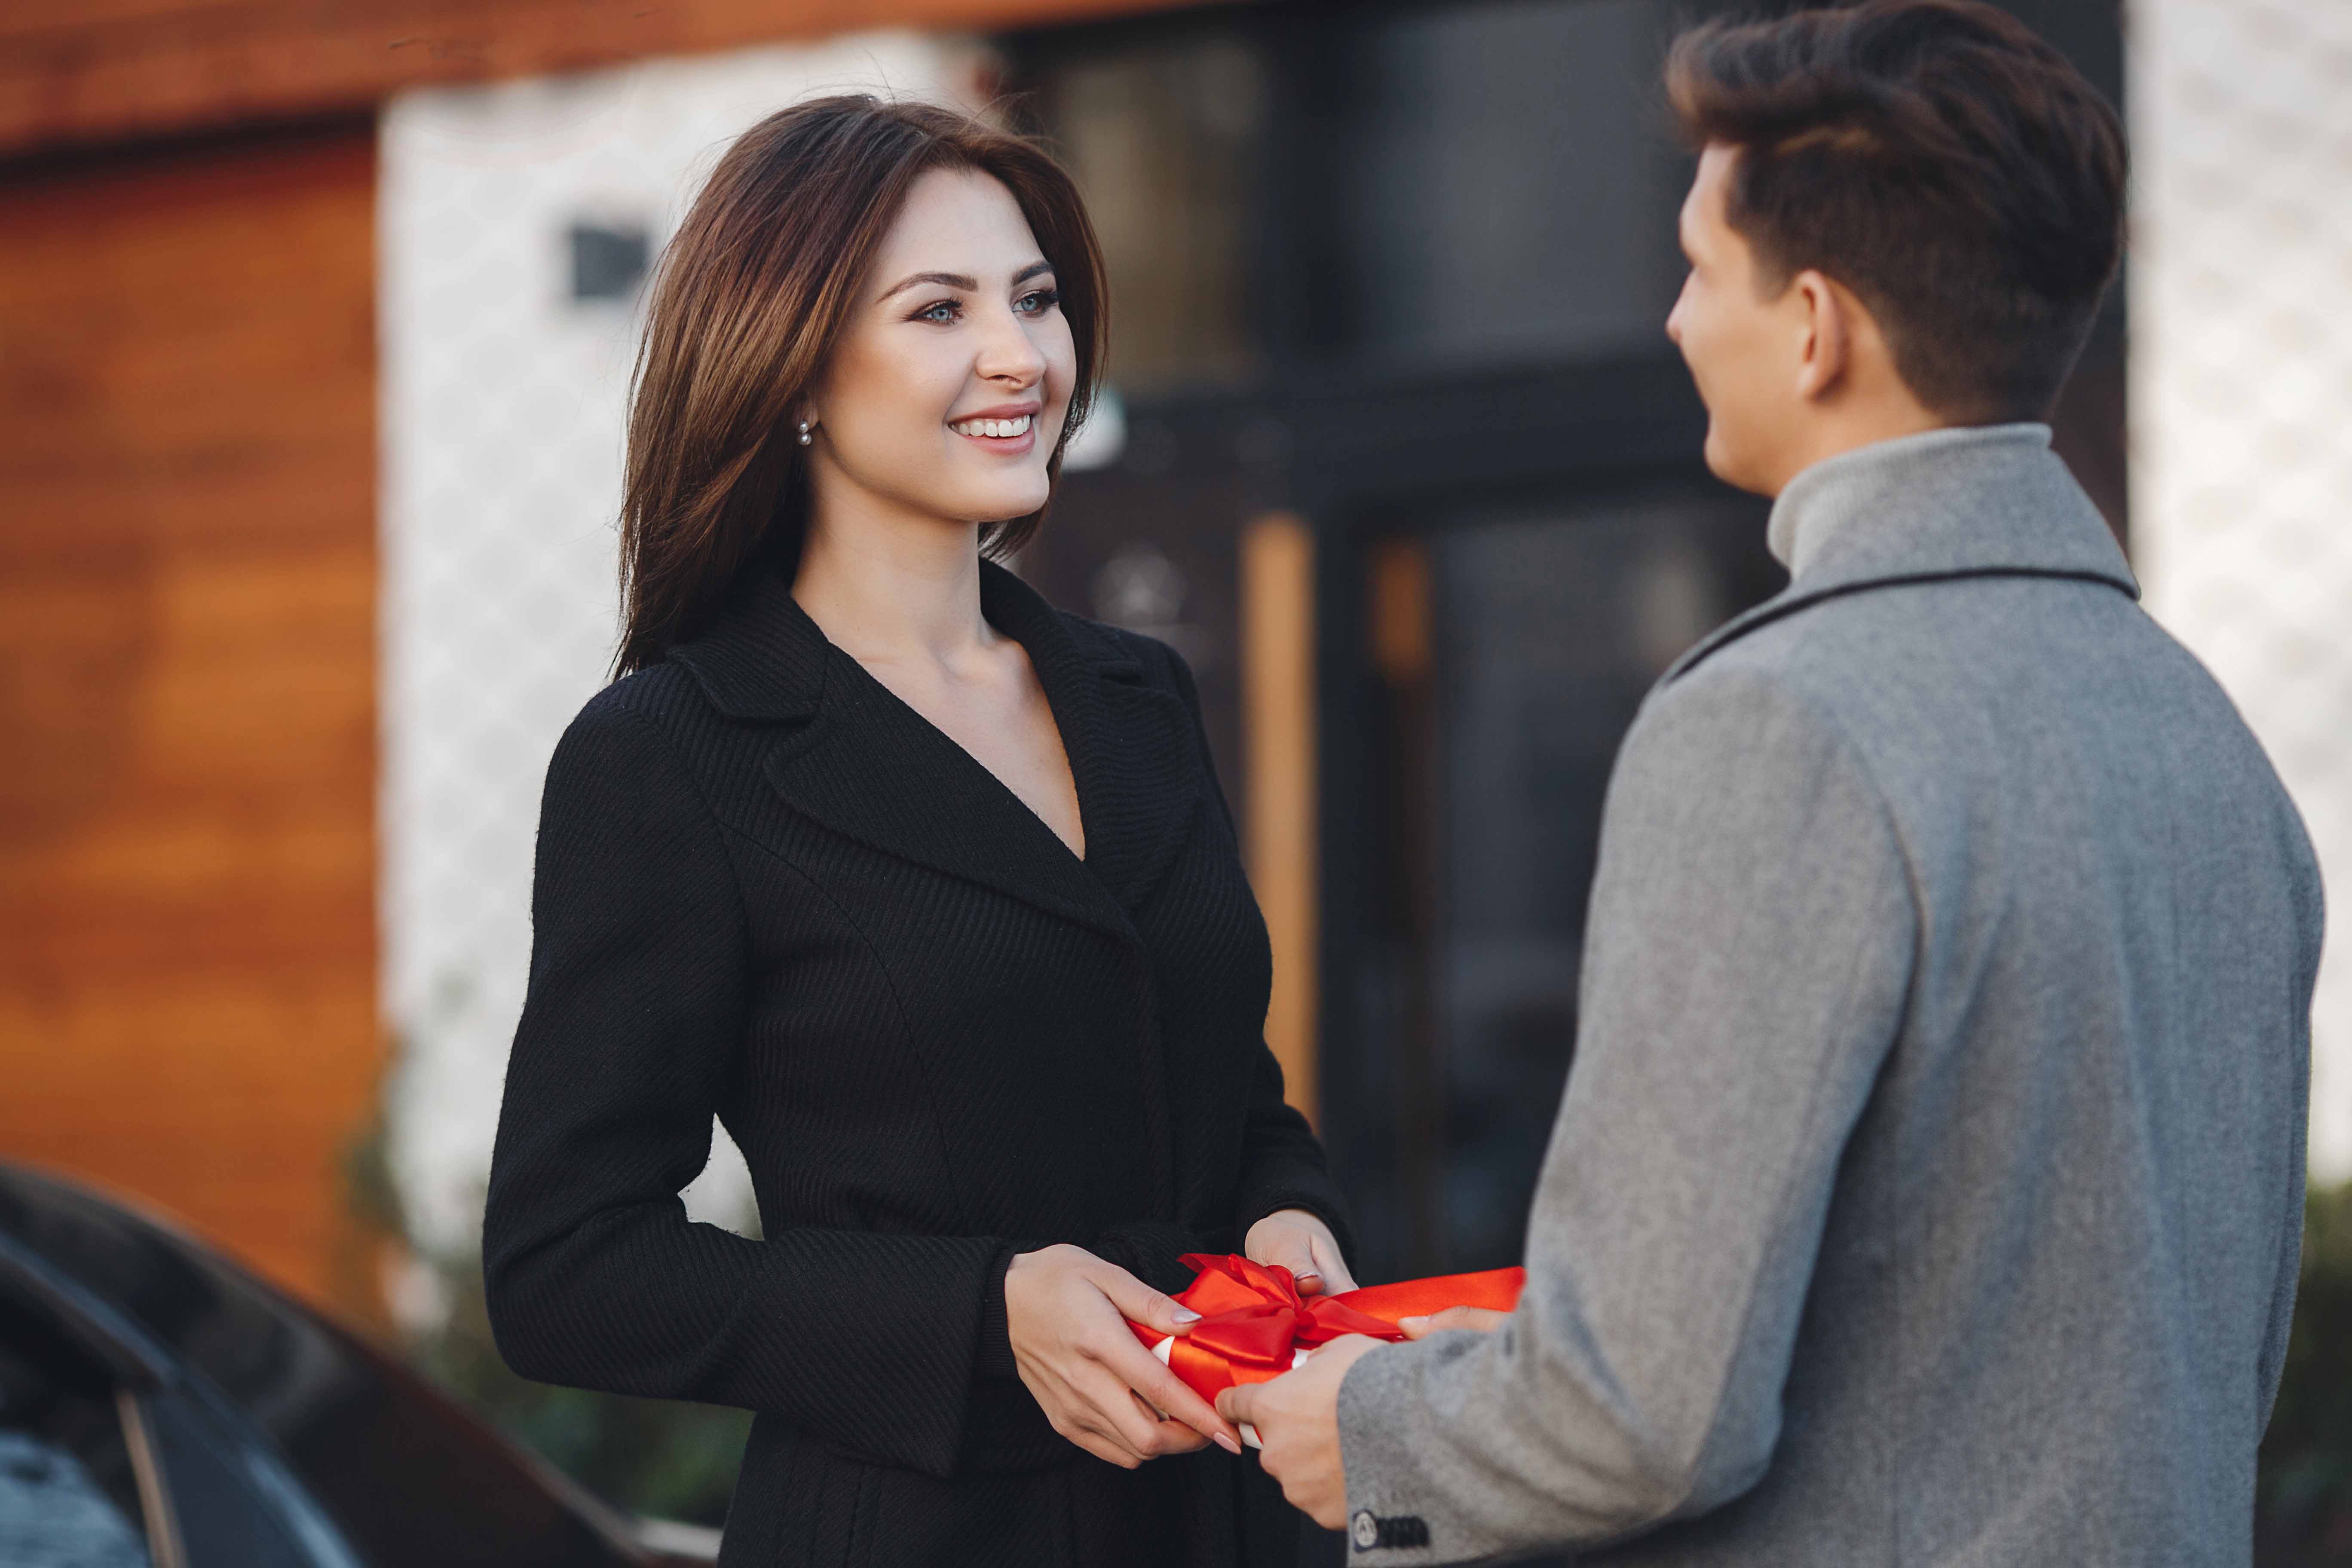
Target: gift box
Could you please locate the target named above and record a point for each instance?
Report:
(1254, 1325)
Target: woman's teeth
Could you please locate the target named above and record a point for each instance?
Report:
(998, 427)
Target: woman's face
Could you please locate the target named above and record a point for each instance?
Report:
(947, 391)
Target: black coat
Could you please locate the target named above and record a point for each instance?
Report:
(768, 889)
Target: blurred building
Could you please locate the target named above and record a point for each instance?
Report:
(2241, 390)
(195, 1001)
(315, 353)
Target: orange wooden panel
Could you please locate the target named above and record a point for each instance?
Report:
(187, 665)
(105, 68)
(1277, 638)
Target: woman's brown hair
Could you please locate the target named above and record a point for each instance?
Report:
(746, 306)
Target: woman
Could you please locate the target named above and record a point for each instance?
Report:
(925, 888)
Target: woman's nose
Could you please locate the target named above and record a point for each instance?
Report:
(1008, 352)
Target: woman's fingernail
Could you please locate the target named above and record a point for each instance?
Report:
(1229, 1446)
(1186, 1315)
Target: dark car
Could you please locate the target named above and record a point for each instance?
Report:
(160, 1406)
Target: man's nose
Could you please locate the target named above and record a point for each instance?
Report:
(1675, 316)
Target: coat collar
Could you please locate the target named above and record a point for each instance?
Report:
(863, 764)
(1982, 502)
(763, 659)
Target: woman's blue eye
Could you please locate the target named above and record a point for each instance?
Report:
(1038, 302)
(943, 312)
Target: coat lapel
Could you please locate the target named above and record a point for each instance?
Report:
(864, 764)
(1133, 747)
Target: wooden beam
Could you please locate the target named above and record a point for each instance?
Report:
(113, 69)
(1277, 628)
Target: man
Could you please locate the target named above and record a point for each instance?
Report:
(1927, 1186)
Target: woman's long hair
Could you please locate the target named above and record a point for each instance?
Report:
(746, 306)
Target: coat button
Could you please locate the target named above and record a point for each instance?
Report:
(1365, 1528)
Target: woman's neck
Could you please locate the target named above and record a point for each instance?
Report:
(890, 588)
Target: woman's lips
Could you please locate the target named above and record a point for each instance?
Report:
(1017, 433)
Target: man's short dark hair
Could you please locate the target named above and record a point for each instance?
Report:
(1937, 159)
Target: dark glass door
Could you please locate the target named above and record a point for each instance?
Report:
(1506, 648)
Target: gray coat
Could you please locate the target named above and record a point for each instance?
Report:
(1928, 1188)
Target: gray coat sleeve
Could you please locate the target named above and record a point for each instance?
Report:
(1750, 943)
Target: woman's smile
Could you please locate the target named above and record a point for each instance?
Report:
(1008, 432)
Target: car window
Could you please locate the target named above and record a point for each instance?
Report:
(69, 1497)
(54, 1514)
(229, 1496)
(405, 1474)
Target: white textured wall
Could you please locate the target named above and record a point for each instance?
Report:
(2241, 392)
(501, 436)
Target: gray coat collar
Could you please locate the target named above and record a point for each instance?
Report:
(1977, 501)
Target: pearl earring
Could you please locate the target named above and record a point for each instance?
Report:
(806, 438)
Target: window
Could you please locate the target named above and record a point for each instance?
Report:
(68, 1495)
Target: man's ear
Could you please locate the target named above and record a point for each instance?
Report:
(1827, 321)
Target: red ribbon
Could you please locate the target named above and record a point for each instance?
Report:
(1253, 1319)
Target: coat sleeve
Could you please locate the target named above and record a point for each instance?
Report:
(1283, 1166)
(595, 1277)
(1750, 949)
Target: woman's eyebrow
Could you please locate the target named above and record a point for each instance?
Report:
(945, 279)
(958, 280)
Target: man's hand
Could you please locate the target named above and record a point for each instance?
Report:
(1478, 1318)
(1297, 1420)
(1303, 1244)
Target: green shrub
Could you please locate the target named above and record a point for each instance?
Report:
(658, 1456)
(2306, 1486)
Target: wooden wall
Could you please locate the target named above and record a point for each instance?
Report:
(187, 663)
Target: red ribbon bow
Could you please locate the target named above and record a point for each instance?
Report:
(1253, 1320)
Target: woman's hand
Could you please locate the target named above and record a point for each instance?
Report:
(1303, 1244)
(1065, 1312)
